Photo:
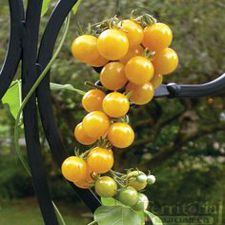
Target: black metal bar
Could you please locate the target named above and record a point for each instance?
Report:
(29, 70)
(213, 88)
(44, 96)
(14, 51)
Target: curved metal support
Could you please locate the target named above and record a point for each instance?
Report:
(29, 70)
(44, 96)
(14, 51)
(213, 88)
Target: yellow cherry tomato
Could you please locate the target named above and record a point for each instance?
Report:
(82, 137)
(113, 76)
(92, 100)
(96, 124)
(134, 32)
(134, 51)
(115, 105)
(74, 169)
(87, 182)
(99, 62)
(121, 135)
(100, 160)
(139, 70)
(112, 44)
(165, 61)
(156, 81)
(84, 48)
(157, 37)
(140, 94)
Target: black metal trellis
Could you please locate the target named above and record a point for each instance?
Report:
(23, 46)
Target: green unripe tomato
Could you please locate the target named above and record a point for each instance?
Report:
(142, 203)
(106, 187)
(128, 196)
(137, 180)
(151, 179)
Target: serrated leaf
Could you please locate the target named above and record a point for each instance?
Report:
(76, 6)
(13, 98)
(155, 219)
(45, 6)
(116, 215)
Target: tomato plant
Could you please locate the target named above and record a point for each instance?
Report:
(134, 54)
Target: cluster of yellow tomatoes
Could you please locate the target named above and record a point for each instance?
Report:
(133, 60)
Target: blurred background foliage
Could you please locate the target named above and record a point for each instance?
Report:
(182, 141)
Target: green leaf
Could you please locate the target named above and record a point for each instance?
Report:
(155, 219)
(76, 6)
(13, 98)
(110, 202)
(65, 87)
(141, 215)
(116, 215)
(45, 7)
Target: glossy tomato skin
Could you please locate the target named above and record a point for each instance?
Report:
(87, 182)
(140, 94)
(98, 62)
(142, 203)
(135, 181)
(156, 80)
(100, 160)
(121, 135)
(113, 76)
(157, 37)
(96, 124)
(106, 187)
(82, 137)
(112, 44)
(134, 51)
(115, 105)
(74, 169)
(134, 32)
(128, 196)
(92, 100)
(84, 48)
(165, 61)
(139, 70)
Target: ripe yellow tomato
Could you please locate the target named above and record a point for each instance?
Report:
(87, 182)
(141, 94)
(96, 124)
(134, 51)
(113, 76)
(115, 105)
(121, 135)
(100, 160)
(157, 37)
(165, 61)
(84, 48)
(112, 44)
(92, 100)
(134, 32)
(139, 70)
(157, 80)
(99, 62)
(74, 169)
(82, 137)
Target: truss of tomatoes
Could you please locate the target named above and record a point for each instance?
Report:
(134, 56)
